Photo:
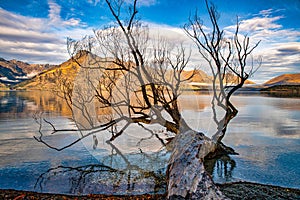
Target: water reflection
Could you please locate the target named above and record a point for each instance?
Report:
(107, 178)
(221, 168)
(266, 134)
(22, 104)
(271, 116)
(11, 103)
(265, 130)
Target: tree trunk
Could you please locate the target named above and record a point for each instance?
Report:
(187, 177)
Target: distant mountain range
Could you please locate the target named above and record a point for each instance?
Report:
(20, 75)
(13, 72)
(50, 78)
(285, 79)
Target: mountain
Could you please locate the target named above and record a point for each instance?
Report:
(49, 78)
(199, 76)
(54, 77)
(232, 79)
(200, 80)
(286, 85)
(3, 87)
(285, 79)
(60, 76)
(14, 71)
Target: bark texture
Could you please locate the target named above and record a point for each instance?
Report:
(187, 177)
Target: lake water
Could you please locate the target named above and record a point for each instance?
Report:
(266, 134)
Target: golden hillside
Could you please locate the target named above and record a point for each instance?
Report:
(230, 78)
(285, 79)
(3, 87)
(199, 76)
(54, 78)
(49, 79)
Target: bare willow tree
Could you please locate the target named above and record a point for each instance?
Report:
(131, 77)
(126, 77)
(230, 60)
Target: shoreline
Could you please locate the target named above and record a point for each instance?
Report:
(235, 191)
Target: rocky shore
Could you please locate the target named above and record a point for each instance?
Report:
(235, 191)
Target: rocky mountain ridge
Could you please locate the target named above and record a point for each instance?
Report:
(284, 79)
(20, 75)
(13, 71)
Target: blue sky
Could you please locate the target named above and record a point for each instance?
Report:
(35, 31)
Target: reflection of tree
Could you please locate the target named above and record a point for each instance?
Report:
(78, 176)
(158, 177)
(223, 166)
(107, 179)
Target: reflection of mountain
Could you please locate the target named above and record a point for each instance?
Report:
(194, 101)
(28, 103)
(9, 102)
(13, 71)
(282, 90)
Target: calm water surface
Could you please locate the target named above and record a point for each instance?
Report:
(266, 134)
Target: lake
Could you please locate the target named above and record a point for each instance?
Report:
(266, 134)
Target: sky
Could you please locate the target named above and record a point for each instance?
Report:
(35, 31)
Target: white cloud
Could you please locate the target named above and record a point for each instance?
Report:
(93, 2)
(140, 3)
(279, 47)
(266, 12)
(29, 39)
(256, 24)
(11, 33)
(54, 12)
(55, 18)
(38, 40)
(43, 40)
(16, 21)
(33, 52)
(172, 34)
(146, 3)
(72, 22)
